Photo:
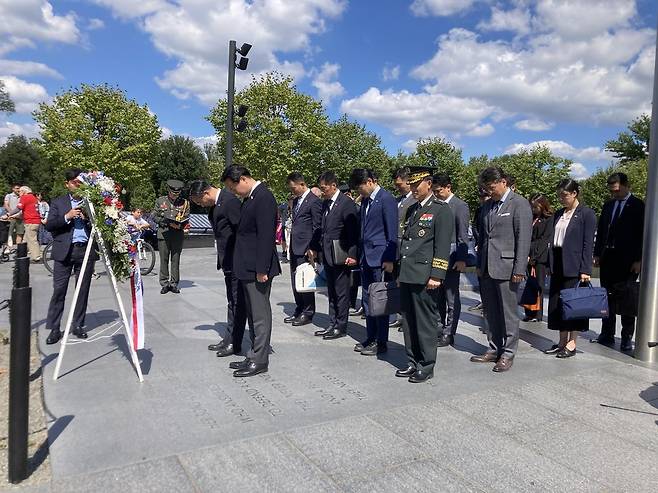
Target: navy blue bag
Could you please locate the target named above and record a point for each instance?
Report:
(584, 302)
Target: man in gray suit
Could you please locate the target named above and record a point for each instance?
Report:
(505, 229)
(450, 305)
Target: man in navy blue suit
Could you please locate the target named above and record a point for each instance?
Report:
(379, 242)
(306, 215)
(71, 230)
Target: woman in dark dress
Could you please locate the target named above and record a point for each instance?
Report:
(542, 237)
(571, 263)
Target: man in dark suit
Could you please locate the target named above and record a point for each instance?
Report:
(224, 216)
(338, 239)
(504, 244)
(450, 305)
(306, 228)
(71, 232)
(618, 251)
(255, 263)
(379, 246)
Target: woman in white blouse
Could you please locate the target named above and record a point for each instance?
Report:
(571, 263)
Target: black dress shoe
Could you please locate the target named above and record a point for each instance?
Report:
(604, 340)
(373, 349)
(164, 290)
(251, 370)
(445, 341)
(554, 349)
(334, 334)
(626, 344)
(395, 324)
(406, 373)
(54, 336)
(355, 312)
(80, 332)
(174, 289)
(218, 346)
(302, 320)
(227, 351)
(420, 376)
(323, 332)
(239, 365)
(290, 319)
(565, 353)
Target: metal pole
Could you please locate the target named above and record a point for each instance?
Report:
(229, 103)
(20, 319)
(647, 323)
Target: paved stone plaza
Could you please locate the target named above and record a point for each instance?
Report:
(326, 418)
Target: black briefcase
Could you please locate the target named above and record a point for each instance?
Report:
(383, 298)
(626, 298)
(338, 254)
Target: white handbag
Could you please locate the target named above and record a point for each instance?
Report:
(310, 278)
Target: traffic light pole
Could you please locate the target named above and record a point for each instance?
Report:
(229, 101)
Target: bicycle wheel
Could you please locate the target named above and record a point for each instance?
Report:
(47, 258)
(146, 259)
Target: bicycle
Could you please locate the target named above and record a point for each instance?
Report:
(145, 255)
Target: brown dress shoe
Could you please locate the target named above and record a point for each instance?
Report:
(503, 364)
(485, 358)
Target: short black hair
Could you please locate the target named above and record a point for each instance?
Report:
(197, 187)
(569, 185)
(72, 173)
(619, 177)
(328, 177)
(234, 173)
(492, 174)
(360, 175)
(401, 173)
(441, 180)
(296, 177)
(511, 181)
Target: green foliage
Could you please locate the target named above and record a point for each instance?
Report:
(181, 159)
(23, 161)
(216, 162)
(6, 104)
(633, 145)
(286, 131)
(442, 155)
(141, 195)
(98, 128)
(594, 190)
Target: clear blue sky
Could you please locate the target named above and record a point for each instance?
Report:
(490, 75)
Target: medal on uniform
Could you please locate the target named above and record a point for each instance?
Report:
(421, 233)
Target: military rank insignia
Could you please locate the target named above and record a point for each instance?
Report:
(439, 263)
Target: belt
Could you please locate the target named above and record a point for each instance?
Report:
(79, 243)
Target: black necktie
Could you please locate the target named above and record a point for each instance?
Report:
(613, 223)
(295, 203)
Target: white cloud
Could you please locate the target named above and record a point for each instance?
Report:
(324, 82)
(196, 34)
(95, 24)
(424, 8)
(565, 150)
(25, 95)
(517, 20)
(534, 125)
(422, 114)
(578, 171)
(15, 67)
(202, 141)
(390, 73)
(26, 21)
(8, 128)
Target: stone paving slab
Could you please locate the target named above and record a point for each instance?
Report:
(325, 418)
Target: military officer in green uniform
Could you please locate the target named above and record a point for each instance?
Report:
(172, 215)
(424, 252)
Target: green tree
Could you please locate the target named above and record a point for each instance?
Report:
(23, 161)
(181, 159)
(6, 104)
(595, 188)
(141, 195)
(632, 145)
(98, 128)
(286, 130)
(349, 145)
(216, 162)
(442, 155)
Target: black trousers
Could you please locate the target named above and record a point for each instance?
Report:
(355, 282)
(236, 316)
(304, 302)
(259, 313)
(338, 287)
(450, 304)
(614, 269)
(61, 275)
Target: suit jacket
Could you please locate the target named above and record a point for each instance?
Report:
(306, 225)
(62, 231)
(339, 223)
(578, 242)
(403, 205)
(224, 217)
(255, 237)
(504, 241)
(462, 216)
(541, 240)
(629, 229)
(379, 230)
